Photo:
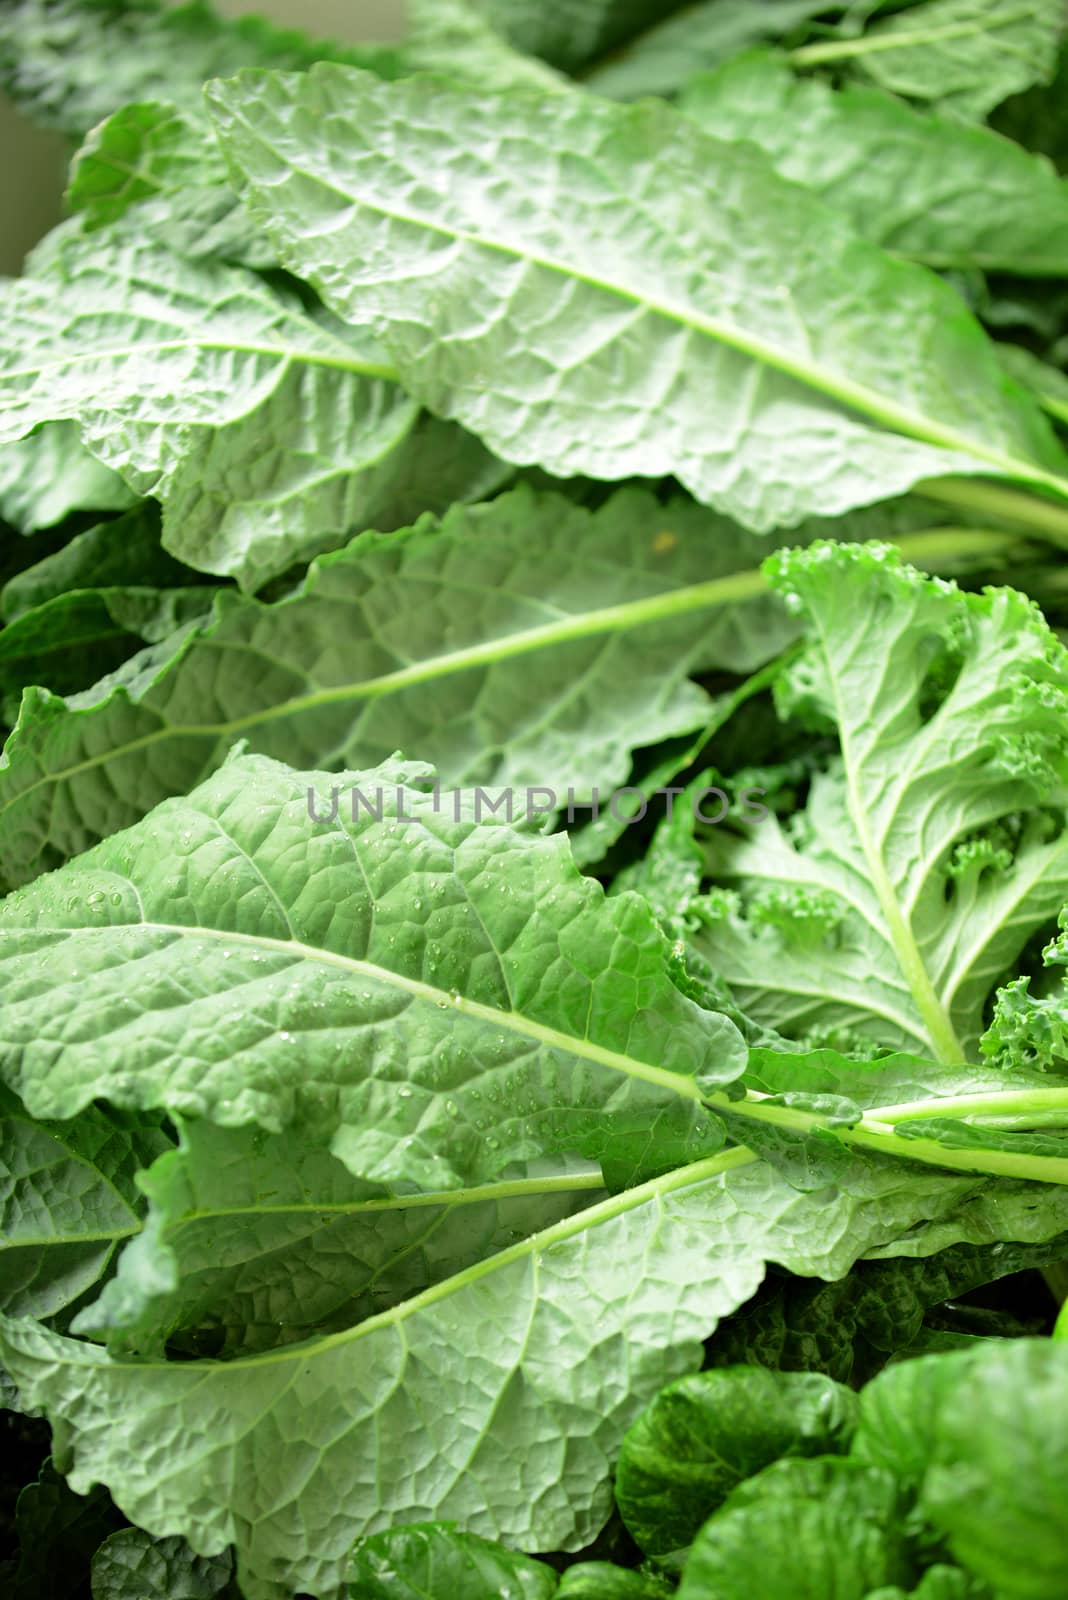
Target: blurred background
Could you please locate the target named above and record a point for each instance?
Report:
(32, 163)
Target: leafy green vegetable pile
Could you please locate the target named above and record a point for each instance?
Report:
(534, 806)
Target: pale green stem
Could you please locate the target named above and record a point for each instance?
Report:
(874, 1133)
(994, 500)
(814, 55)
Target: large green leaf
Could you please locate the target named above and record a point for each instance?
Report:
(456, 38)
(925, 186)
(253, 1242)
(185, 377)
(965, 55)
(131, 1565)
(523, 643)
(983, 1433)
(412, 1563)
(416, 1413)
(69, 1200)
(701, 37)
(44, 477)
(70, 63)
(49, 644)
(122, 553)
(154, 168)
(704, 1434)
(802, 1530)
(934, 845)
(691, 313)
(326, 968)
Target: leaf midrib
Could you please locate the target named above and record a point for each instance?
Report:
(889, 39)
(442, 999)
(941, 1033)
(588, 624)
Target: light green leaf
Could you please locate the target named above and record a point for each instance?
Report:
(328, 967)
(436, 1559)
(68, 1201)
(665, 317)
(49, 474)
(131, 1565)
(178, 371)
(153, 168)
(252, 1242)
(802, 1530)
(703, 36)
(456, 38)
(68, 64)
(934, 846)
(312, 465)
(964, 55)
(921, 185)
(294, 1454)
(525, 643)
(704, 1434)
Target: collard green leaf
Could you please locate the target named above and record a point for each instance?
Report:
(50, 644)
(183, 374)
(437, 1559)
(934, 846)
(982, 1434)
(964, 55)
(802, 1530)
(311, 466)
(415, 1414)
(68, 1201)
(669, 316)
(703, 1435)
(154, 168)
(123, 553)
(68, 64)
(921, 185)
(49, 474)
(527, 643)
(253, 1242)
(457, 39)
(329, 967)
(131, 1565)
(668, 56)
